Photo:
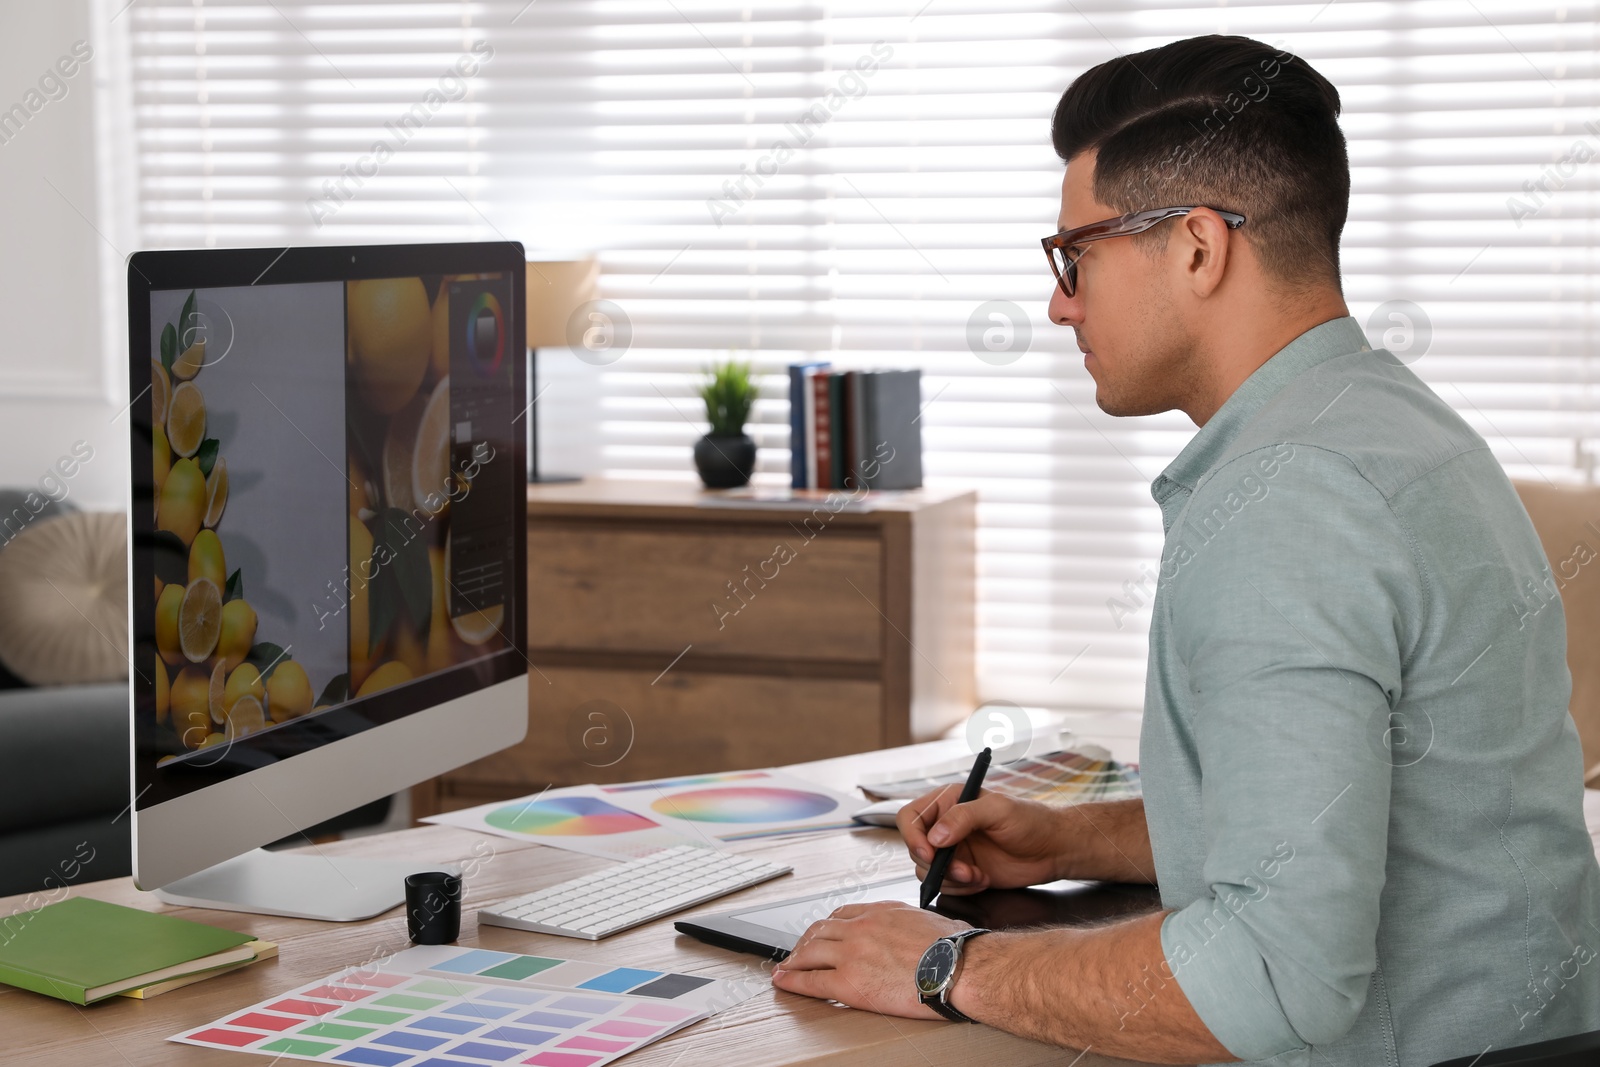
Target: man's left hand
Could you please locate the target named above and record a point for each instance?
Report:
(866, 955)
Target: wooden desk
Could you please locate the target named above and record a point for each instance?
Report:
(768, 1030)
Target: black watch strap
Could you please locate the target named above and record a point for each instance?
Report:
(949, 1011)
(939, 1003)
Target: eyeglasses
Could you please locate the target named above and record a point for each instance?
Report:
(1063, 249)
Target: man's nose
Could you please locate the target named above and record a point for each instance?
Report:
(1065, 310)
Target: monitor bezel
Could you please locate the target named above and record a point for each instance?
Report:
(156, 271)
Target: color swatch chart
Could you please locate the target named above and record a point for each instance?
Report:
(1060, 779)
(443, 1006)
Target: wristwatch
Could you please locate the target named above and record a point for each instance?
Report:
(936, 973)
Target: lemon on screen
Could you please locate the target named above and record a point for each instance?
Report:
(439, 650)
(216, 493)
(363, 494)
(391, 338)
(183, 500)
(440, 363)
(160, 457)
(237, 632)
(390, 674)
(206, 559)
(219, 676)
(399, 454)
(476, 627)
(186, 419)
(160, 393)
(246, 717)
(167, 608)
(360, 575)
(213, 740)
(244, 681)
(200, 619)
(288, 691)
(163, 691)
(191, 706)
(430, 456)
(188, 364)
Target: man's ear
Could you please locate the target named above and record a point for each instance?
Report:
(1203, 244)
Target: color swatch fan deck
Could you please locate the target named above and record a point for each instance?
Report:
(443, 1006)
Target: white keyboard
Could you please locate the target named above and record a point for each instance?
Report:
(601, 904)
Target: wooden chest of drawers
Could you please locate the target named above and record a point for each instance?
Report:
(672, 632)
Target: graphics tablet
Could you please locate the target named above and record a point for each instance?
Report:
(772, 929)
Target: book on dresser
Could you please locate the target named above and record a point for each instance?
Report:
(857, 429)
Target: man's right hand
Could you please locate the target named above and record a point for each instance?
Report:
(1006, 843)
(1001, 842)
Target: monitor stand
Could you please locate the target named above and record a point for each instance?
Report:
(300, 885)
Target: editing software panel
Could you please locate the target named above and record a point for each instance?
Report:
(483, 532)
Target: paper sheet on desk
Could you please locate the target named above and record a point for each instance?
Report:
(633, 819)
(447, 1002)
(577, 818)
(736, 805)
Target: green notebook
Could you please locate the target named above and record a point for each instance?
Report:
(82, 950)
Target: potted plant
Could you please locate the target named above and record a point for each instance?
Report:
(726, 456)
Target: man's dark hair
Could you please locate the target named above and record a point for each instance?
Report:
(1226, 122)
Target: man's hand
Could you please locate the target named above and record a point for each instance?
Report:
(1006, 843)
(865, 955)
(1105, 987)
(1001, 842)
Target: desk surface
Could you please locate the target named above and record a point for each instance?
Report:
(772, 1028)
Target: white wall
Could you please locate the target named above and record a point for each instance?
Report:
(61, 355)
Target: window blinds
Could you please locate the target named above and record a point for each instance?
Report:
(867, 183)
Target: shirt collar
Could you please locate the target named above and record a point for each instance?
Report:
(1336, 337)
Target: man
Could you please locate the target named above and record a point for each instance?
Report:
(1362, 788)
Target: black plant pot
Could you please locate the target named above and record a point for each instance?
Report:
(725, 461)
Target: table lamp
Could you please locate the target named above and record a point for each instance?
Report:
(556, 290)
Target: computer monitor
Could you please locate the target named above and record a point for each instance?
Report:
(327, 564)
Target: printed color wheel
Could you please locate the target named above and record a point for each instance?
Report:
(749, 803)
(567, 817)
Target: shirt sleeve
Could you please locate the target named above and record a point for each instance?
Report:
(1291, 609)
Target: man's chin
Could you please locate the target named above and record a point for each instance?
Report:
(1122, 406)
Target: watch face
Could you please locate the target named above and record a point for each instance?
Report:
(934, 969)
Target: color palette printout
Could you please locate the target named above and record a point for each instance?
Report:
(577, 818)
(736, 806)
(634, 819)
(444, 1006)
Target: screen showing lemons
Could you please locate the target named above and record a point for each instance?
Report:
(333, 499)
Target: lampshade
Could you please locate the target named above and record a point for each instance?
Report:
(556, 289)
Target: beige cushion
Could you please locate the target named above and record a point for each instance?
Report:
(1568, 520)
(64, 600)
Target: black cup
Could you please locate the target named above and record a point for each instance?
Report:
(433, 907)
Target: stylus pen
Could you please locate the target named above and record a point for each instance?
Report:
(941, 858)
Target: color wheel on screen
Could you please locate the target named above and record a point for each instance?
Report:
(745, 804)
(567, 817)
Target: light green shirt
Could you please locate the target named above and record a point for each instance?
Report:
(1362, 784)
